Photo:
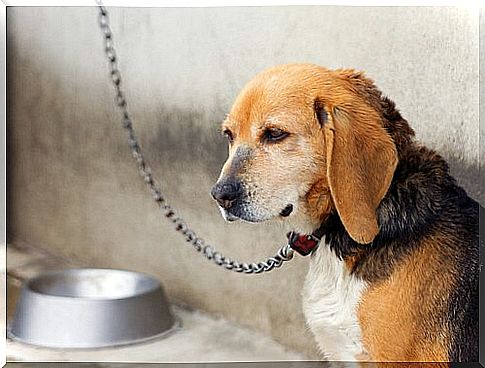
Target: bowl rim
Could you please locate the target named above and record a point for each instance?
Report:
(27, 287)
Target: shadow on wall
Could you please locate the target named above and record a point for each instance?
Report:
(467, 176)
(192, 138)
(182, 136)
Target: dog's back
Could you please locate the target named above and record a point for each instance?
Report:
(463, 304)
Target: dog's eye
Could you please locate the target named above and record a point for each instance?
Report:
(274, 135)
(228, 135)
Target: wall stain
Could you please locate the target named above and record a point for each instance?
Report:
(183, 136)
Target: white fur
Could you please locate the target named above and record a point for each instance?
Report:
(330, 299)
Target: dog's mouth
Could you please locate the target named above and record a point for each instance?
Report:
(235, 213)
(285, 212)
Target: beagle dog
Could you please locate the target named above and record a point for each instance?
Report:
(395, 274)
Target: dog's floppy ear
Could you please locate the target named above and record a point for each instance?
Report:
(361, 159)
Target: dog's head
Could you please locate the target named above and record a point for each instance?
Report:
(305, 141)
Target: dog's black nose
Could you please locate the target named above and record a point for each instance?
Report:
(225, 193)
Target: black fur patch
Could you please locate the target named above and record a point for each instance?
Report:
(463, 304)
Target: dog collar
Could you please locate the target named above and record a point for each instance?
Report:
(302, 243)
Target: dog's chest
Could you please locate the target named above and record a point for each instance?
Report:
(330, 299)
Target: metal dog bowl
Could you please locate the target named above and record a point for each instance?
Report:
(90, 308)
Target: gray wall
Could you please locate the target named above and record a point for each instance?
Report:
(73, 188)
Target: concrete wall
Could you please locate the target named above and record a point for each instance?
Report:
(73, 187)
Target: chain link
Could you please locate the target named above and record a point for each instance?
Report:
(284, 254)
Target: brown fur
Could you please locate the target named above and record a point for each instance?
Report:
(397, 325)
(361, 159)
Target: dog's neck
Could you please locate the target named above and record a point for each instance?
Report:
(421, 186)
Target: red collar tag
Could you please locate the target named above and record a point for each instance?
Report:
(303, 244)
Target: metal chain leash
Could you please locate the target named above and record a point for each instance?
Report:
(284, 254)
